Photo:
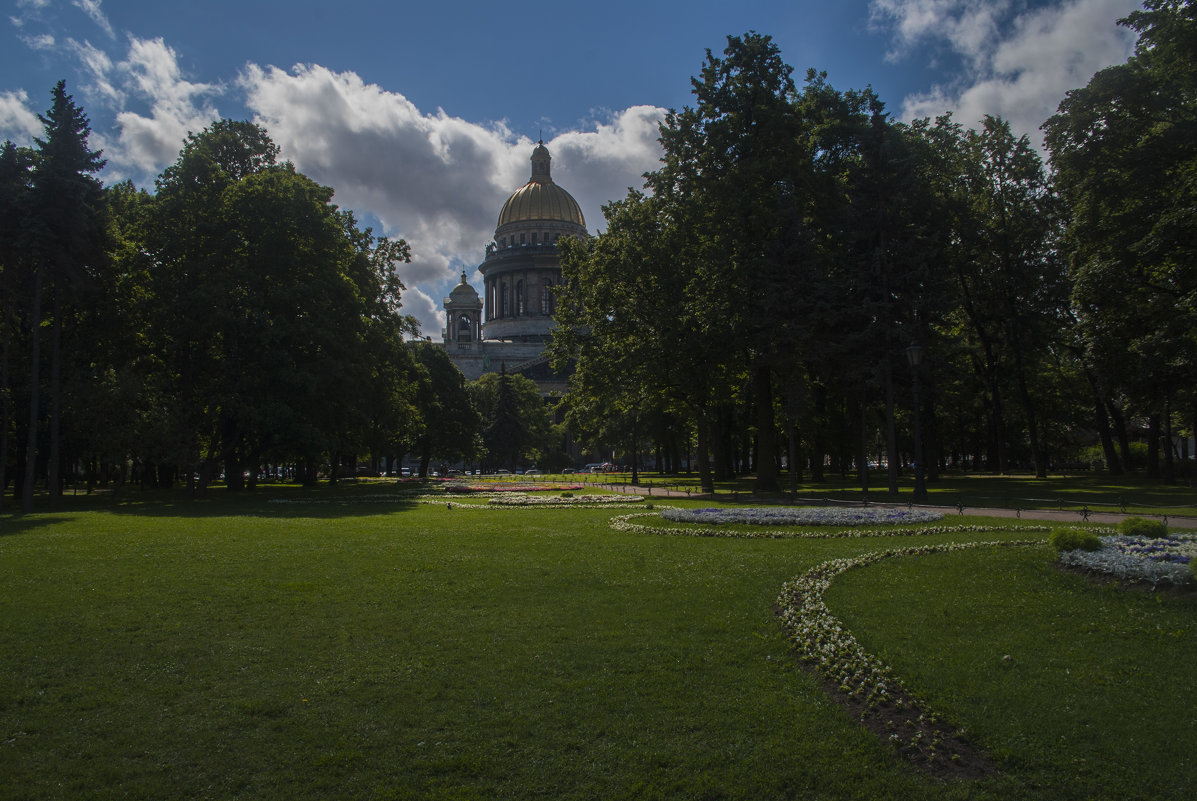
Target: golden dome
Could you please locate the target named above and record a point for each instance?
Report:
(540, 198)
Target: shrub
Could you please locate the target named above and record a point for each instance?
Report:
(567, 495)
(1072, 539)
(1142, 527)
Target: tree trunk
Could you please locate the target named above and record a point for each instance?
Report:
(1153, 446)
(891, 434)
(706, 481)
(933, 456)
(1037, 455)
(819, 440)
(997, 423)
(35, 317)
(53, 464)
(425, 447)
(1123, 438)
(794, 460)
(722, 444)
(862, 453)
(766, 432)
(5, 403)
(1102, 418)
(1169, 464)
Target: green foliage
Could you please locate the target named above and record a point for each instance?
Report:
(515, 420)
(1143, 527)
(450, 423)
(270, 301)
(1124, 149)
(1071, 539)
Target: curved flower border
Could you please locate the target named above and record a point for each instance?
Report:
(802, 515)
(624, 523)
(822, 641)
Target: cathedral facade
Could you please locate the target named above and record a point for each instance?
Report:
(511, 327)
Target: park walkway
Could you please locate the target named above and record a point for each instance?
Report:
(1050, 515)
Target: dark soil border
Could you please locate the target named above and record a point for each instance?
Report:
(930, 745)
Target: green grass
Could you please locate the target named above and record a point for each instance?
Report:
(1074, 684)
(154, 647)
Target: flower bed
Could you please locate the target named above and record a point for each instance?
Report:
(577, 500)
(802, 516)
(1156, 561)
(625, 523)
(483, 488)
(862, 679)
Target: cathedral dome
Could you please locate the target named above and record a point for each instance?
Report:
(540, 199)
(463, 292)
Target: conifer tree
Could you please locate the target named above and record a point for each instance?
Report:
(62, 230)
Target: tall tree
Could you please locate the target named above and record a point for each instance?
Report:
(15, 180)
(737, 155)
(450, 425)
(1011, 281)
(515, 419)
(64, 226)
(190, 247)
(1124, 148)
(273, 303)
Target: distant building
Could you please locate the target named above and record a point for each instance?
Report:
(511, 328)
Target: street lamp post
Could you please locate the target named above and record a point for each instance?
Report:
(914, 355)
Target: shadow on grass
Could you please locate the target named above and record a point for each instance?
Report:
(271, 501)
(14, 524)
(1099, 491)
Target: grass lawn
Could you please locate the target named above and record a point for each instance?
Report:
(158, 647)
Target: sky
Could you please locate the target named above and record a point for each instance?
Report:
(422, 116)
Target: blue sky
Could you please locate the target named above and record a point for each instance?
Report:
(422, 115)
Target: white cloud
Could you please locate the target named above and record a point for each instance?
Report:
(967, 25)
(18, 122)
(436, 180)
(147, 143)
(599, 166)
(427, 308)
(43, 42)
(1020, 62)
(92, 9)
(99, 66)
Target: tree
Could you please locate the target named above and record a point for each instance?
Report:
(1124, 148)
(15, 180)
(736, 156)
(515, 420)
(115, 387)
(63, 226)
(189, 246)
(1011, 282)
(450, 423)
(620, 323)
(275, 304)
